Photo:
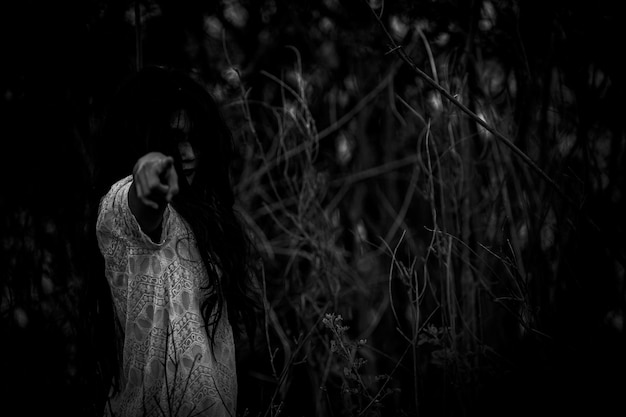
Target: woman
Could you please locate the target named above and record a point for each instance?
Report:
(175, 255)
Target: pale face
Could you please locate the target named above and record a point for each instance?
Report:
(180, 126)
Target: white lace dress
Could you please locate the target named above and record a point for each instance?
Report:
(169, 366)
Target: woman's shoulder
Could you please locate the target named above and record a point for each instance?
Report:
(112, 195)
(114, 215)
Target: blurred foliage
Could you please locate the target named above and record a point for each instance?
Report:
(463, 281)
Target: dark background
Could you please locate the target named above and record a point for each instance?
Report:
(481, 282)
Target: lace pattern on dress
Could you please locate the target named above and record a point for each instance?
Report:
(169, 366)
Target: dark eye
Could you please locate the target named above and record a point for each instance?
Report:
(195, 138)
(178, 135)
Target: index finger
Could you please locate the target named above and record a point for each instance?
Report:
(165, 164)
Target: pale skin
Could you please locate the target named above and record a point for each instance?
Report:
(155, 180)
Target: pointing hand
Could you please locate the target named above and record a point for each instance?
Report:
(155, 180)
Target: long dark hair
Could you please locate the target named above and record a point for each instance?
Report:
(137, 122)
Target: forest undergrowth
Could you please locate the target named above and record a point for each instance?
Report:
(379, 316)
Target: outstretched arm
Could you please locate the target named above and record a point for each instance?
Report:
(155, 183)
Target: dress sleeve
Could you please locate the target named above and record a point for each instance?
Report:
(116, 220)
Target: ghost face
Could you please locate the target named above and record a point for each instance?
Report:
(180, 128)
